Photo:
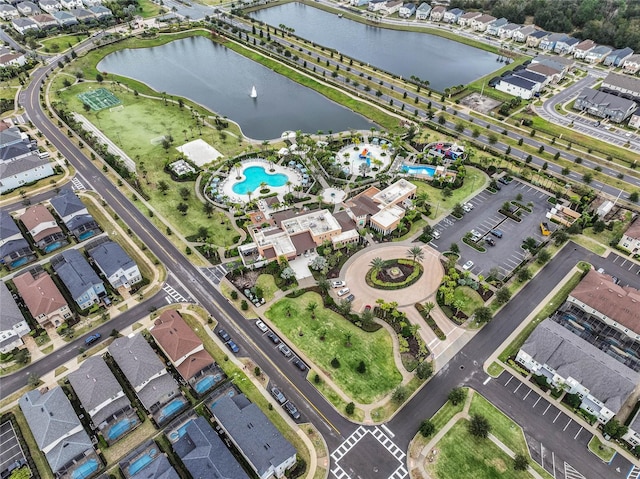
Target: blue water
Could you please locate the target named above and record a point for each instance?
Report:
(419, 170)
(139, 464)
(230, 393)
(175, 435)
(119, 428)
(19, 262)
(254, 175)
(85, 470)
(171, 408)
(52, 247)
(206, 383)
(85, 235)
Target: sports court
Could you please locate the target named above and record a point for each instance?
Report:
(99, 99)
(10, 450)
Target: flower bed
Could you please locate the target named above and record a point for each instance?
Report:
(430, 321)
(380, 279)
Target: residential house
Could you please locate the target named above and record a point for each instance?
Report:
(376, 5)
(566, 45)
(64, 18)
(42, 227)
(494, 27)
(517, 86)
(14, 249)
(82, 15)
(27, 169)
(42, 297)
(581, 49)
(571, 363)
(99, 393)
(74, 215)
(423, 11)
(566, 64)
(358, 3)
(11, 135)
(480, 24)
(437, 13)
(549, 41)
(57, 430)
(256, 438)
(45, 21)
(91, 3)
(155, 466)
(522, 33)
(22, 25)
(507, 31)
(628, 86)
(49, 6)
(391, 6)
(598, 54)
(82, 282)
(534, 40)
(453, 15)
(634, 120)
(115, 264)
(604, 105)
(100, 11)
(12, 323)
(617, 57)
(540, 81)
(631, 238)
(204, 454)
(632, 64)
(407, 10)
(466, 19)
(8, 12)
(151, 381)
(181, 345)
(632, 436)
(553, 75)
(11, 58)
(70, 4)
(28, 8)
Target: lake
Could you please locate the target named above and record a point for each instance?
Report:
(443, 62)
(221, 80)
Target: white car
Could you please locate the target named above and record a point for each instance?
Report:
(338, 284)
(435, 235)
(467, 207)
(343, 291)
(468, 265)
(261, 326)
(476, 234)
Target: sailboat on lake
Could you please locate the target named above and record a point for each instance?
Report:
(254, 92)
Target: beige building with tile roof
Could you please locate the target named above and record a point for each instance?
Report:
(42, 298)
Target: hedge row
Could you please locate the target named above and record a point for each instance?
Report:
(474, 245)
(430, 321)
(509, 214)
(374, 282)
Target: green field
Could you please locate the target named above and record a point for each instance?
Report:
(61, 43)
(375, 349)
(268, 285)
(469, 299)
(501, 426)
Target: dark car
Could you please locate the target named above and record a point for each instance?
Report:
(277, 394)
(274, 339)
(224, 335)
(233, 346)
(490, 241)
(92, 339)
(299, 364)
(292, 410)
(350, 298)
(504, 180)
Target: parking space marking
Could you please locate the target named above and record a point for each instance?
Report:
(516, 389)
(527, 395)
(536, 403)
(578, 433)
(510, 378)
(545, 411)
(559, 412)
(571, 473)
(570, 421)
(634, 473)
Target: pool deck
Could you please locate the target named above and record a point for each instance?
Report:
(355, 161)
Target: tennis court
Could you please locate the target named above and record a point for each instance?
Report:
(99, 99)
(10, 450)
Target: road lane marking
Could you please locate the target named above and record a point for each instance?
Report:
(486, 381)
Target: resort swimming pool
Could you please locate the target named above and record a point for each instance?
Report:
(171, 408)
(254, 176)
(119, 428)
(85, 470)
(139, 464)
(419, 170)
(207, 383)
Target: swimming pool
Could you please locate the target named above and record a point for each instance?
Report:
(175, 435)
(139, 464)
(19, 262)
(171, 408)
(52, 247)
(119, 428)
(419, 170)
(254, 176)
(206, 383)
(85, 235)
(230, 393)
(85, 470)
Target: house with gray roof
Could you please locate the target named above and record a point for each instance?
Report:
(568, 361)
(631, 65)
(494, 27)
(153, 466)
(633, 433)
(82, 14)
(423, 11)
(12, 323)
(534, 40)
(56, 429)
(254, 435)
(100, 11)
(22, 25)
(517, 86)
(598, 54)
(628, 86)
(539, 80)
(77, 275)
(159, 468)
(21, 171)
(617, 57)
(28, 8)
(10, 135)
(521, 34)
(74, 215)
(64, 18)
(147, 375)
(604, 105)
(14, 248)
(205, 455)
(8, 11)
(50, 6)
(453, 15)
(566, 45)
(113, 261)
(99, 392)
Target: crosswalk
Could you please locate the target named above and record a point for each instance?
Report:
(634, 473)
(216, 273)
(571, 473)
(77, 185)
(338, 472)
(173, 295)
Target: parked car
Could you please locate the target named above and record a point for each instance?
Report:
(476, 235)
(468, 265)
(490, 241)
(350, 298)
(467, 207)
(435, 235)
(232, 346)
(224, 335)
(343, 291)
(505, 180)
(284, 349)
(297, 362)
(92, 339)
(338, 283)
(261, 326)
(496, 233)
(274, 339)
(277, 394)
(292, 410)
(367, 308)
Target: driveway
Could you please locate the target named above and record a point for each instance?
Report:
(507, 253)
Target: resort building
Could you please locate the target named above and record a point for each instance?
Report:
(12, 323)
(115, 264)
(42, 227)
(604, 105)
(14, 249)
(82, 282)
(74, 215)
(256, 438)
(568, 362)
(383, 210)
(631, 238)
(42, 297)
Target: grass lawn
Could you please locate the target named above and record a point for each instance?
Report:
(605, 237)
(36, 454)
(146, 8)
(502, 427)
(61, 43)
(604, 452)
(334, 398)
(591, 244)
(462, 455)
(470, 299)
(268, 285)
(129, 442)
(495, 369)
(474, 181)
(375, 349)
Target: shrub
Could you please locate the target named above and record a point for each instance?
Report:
(244, 305)
(335, 363)
(350, 408)
(400, 394)
(427, 428)
(424, 370)
(234, 294)
(362, 367)
(520, 462)
(316, 378)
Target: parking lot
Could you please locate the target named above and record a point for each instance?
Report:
(10, 450)
(507, 253)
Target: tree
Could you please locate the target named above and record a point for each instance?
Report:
(427, 428)
(479, 426)
(441, 119)
(456, 396)
(311, 308)
(520, 462)
(458, 210)
(454, 248)
(335, 363)
(323, 284)
(400, 394)
(377, 264)
(362, 367)
(182, 208)
(415, 253)
(208, 209)
(503, 295)
(319, 263)
(633, 197)
(163, 186)
(530, 243)
(33, 380)
(587, 178)
(350, 408)
(184, 193)
(543, 256)
(614, 429)
(483, 314)
(424, 370)
(287, 273)
(524, 275)
(344, 307)
(99, 78)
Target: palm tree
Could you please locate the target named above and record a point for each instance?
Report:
(208, 209)
(415, 253)
(237, 166)
(311, 307)
(323, 284)
(377, 264)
